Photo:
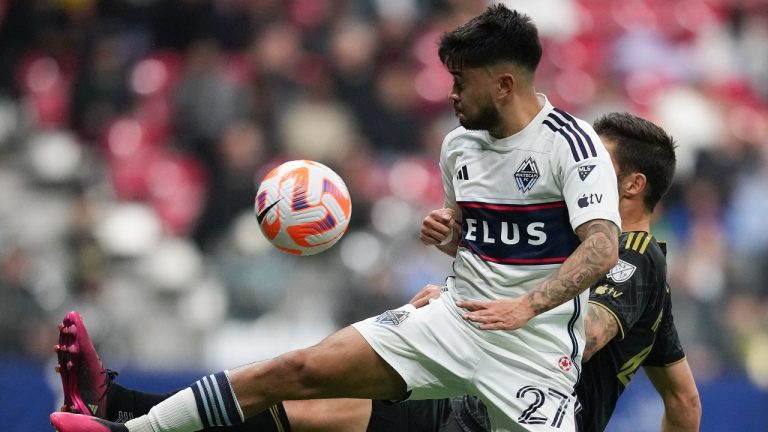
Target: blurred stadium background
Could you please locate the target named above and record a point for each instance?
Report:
(132, 132)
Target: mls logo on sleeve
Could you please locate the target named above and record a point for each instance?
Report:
(584, 171)
(588, 174)
(621, 272)
(392, 317)
(526, 175)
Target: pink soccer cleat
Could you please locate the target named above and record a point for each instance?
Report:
(83, 377)
(68, 422)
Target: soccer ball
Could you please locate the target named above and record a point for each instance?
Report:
(303, 207)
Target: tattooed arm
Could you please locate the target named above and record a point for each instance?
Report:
(597, 253)
(600, 326)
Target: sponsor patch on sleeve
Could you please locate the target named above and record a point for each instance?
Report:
(584, 171)
(621, 272)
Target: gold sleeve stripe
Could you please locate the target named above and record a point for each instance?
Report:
(618, 321)
(674, 362)
(639, 238)
(629, 240)
(655, 325)
(638, 241)
(645, 244)
(276, 417)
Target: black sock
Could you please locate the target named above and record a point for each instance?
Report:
(124, 404)
(272, 420)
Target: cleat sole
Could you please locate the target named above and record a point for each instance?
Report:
(67, 358)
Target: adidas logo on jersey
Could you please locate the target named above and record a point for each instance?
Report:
(462, 174)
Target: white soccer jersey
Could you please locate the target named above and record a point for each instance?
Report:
(521, 198)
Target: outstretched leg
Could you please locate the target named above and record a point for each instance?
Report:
(342, 365)
(88, 386)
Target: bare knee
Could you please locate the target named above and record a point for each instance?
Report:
(343, 365)
(299, 371)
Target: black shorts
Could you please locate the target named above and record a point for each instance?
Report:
(459, 414)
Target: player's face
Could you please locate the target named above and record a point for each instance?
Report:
(472, 101)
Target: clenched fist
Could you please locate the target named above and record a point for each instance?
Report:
(437, 228)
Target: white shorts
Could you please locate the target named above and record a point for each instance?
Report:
(439, 355)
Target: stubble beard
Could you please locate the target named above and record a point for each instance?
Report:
(488, 119)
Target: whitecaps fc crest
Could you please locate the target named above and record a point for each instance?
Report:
(526, 175)
(392, 317)
(621, 272)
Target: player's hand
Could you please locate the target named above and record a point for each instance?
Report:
(507, 314)
(426, 294)
(437, 228)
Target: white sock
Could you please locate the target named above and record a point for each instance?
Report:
(178, 413)
(207, 403)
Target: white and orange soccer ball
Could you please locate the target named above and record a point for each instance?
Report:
(303, 207)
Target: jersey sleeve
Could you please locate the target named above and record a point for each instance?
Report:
(446, 171)
(587, 176)
(667, 348)
(623, 292)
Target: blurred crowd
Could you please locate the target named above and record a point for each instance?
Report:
(133, 133)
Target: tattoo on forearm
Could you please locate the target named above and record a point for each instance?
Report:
(600, 327)
(594, 256)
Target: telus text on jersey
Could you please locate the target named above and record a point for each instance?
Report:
(509, 233)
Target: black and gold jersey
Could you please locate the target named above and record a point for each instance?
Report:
(636, 293)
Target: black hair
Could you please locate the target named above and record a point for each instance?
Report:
(643, 147)
(497, 35)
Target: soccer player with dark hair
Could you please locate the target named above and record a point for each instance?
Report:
(630, 315)
(629, 324)
(535, 234)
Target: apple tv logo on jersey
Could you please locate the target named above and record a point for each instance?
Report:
(587, 200)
